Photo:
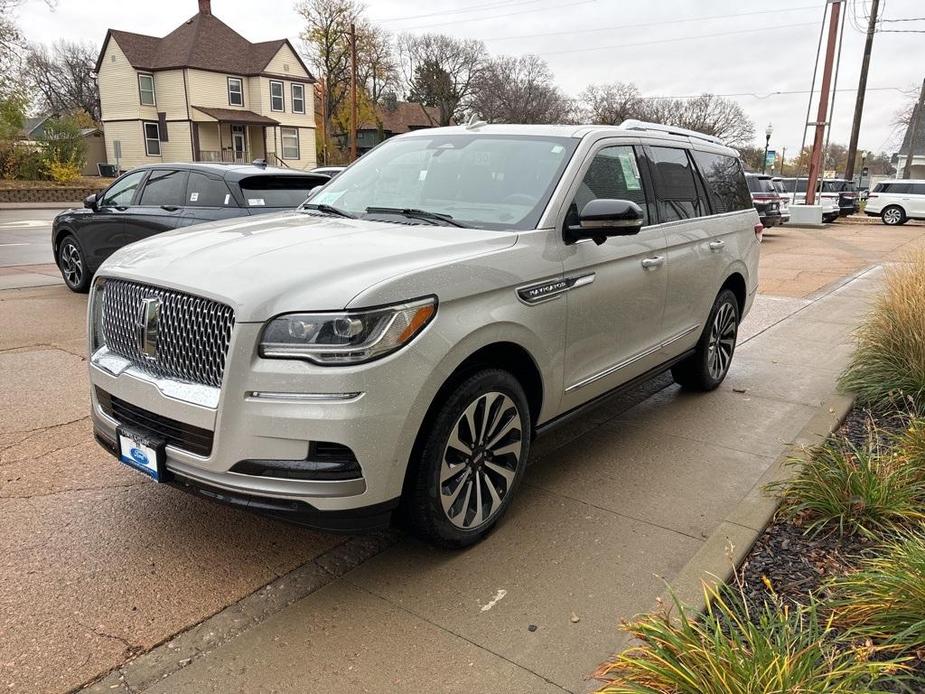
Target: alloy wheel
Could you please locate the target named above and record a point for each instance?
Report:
(722, 341)
(892, 216)
(72, 266)
(480, 460)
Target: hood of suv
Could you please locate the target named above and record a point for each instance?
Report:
(271, 264)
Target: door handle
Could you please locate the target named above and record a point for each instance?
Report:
(716, 245)
(170, 208)
(651, 263)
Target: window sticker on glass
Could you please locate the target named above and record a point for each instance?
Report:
(557, 149)
(193, 197)
(227, 197)
(255, 202)
(326, 198)
(630, 172)
(422, 174)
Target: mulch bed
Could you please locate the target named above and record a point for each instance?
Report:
(797, 564)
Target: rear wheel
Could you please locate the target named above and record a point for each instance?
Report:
(73, 265)
(893, 215)
(706, 368)
(472, 460)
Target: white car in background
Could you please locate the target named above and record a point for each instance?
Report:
(795, 192)
(778, 184)
(896, 202)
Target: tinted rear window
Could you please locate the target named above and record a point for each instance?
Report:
(164, 188)
(278, 191)
(759, 185)
(837, 186)
(675, 189)
(725, 182)
(205, 191)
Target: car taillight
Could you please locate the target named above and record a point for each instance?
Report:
(759, 231)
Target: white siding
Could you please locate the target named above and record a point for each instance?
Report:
(129, 133)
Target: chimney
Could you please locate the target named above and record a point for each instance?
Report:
(205, 6)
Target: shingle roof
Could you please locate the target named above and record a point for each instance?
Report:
(236, 115)
(919, 139)
(406, 116)
(202, 42)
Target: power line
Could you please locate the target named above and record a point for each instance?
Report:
(780, 93)
(470, 8)
(685, 20)
(500, 16)
(677, 39)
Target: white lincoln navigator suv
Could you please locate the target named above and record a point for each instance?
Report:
(401, 338)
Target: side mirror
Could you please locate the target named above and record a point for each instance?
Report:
(605, 217)
(90, 201)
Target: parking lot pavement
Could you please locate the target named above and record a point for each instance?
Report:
(802, 261)
(98, 564)
(26, 259)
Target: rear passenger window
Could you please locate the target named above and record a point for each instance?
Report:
(613, 174)
(676, 191)
(726, 185)
(164, 188)
(205, 191)
(917, 188)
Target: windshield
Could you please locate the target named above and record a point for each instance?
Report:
(837, 186)
(778, 186)
(489, 181)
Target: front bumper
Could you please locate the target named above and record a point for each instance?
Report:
(261, 413)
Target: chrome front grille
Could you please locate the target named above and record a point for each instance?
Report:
(191, 333)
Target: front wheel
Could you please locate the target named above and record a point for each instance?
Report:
(706, 368)
(73, 265)
(893, 215)
(472, 460)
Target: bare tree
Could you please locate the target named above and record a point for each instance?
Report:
(519, 90)
(377, 66)
(62, 78)
(611, 104)
(708, 114)
(441, 71)
(326, 41)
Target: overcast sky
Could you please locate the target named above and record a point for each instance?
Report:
(666, 47)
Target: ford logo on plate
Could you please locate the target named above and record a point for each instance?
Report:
(138, 456)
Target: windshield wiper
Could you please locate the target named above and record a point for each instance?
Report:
(328, 209)
(413, 213)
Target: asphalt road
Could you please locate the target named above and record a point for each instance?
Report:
(25, 237)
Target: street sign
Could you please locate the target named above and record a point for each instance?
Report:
(770, 159)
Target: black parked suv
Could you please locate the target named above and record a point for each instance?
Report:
(765, 199)
(152, 199)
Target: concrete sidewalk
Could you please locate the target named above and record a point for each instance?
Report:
(614, 503)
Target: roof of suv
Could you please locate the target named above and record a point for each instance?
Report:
(577, 132)
(233, 172)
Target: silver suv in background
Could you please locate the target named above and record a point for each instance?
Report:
(400, 340)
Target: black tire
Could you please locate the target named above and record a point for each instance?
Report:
(500, 393)
(699, 371)
(73, 265)
(893, 215)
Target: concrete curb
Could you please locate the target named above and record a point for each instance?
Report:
(39, 205)
(183, 648)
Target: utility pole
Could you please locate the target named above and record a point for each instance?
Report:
(353, 92)
(815, 162)
(322, 90)
(783, 155)
(917, 116)
(862, 88)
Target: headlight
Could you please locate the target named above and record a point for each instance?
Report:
(347, 337)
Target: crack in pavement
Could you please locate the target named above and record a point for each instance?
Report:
(131, 647)
(37, 430)
(29, 457)
(75, 489)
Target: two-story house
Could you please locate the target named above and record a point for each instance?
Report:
(205, 93)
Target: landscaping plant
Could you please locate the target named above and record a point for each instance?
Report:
(885, 598)
(727, 650)
(867, 489)
(889, 364)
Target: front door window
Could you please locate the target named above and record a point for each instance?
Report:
(239, 143)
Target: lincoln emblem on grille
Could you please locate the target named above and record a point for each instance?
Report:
(146, 326)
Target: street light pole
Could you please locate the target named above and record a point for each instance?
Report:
(767, 142)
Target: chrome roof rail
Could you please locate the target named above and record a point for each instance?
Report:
(633, 124)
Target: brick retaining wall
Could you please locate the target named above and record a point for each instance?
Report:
(48, 194)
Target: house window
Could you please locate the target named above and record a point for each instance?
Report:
(277, 102)
(290, 138)
(235, 91)
(298, 98)
(152, 140)
(146, 89)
